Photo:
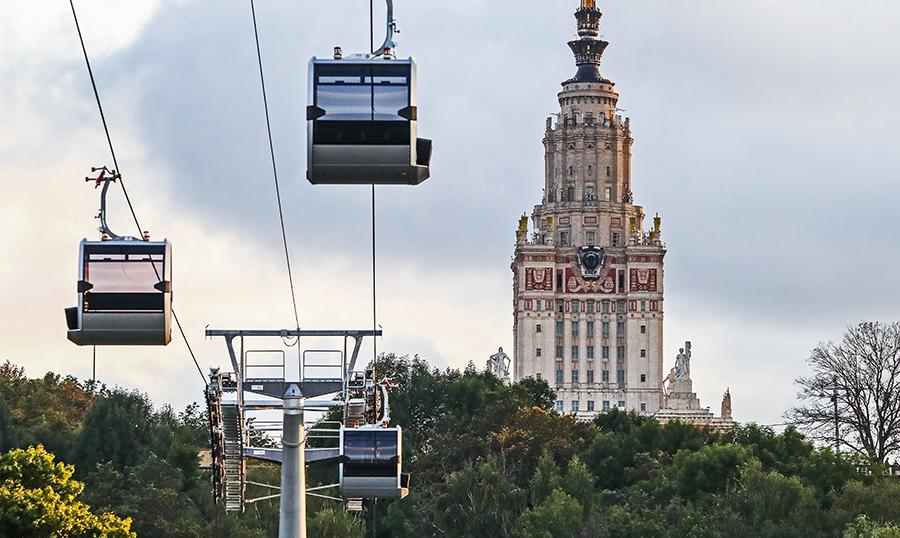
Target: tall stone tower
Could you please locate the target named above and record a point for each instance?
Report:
(588, 279)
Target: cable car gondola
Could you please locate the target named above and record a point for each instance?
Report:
(124, 286)
(371, 466)
(124, 294)
(362, 123)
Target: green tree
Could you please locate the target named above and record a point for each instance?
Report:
(546, 479)
(331, 523)
(38, 498)
(878, 499)
(558, 516)
(709, 470)
(772, 505)
(579, 483)
(479, 500)
(863, 528)
(118, 429)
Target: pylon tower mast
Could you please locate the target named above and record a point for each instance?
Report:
(588, 278)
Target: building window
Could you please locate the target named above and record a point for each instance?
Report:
(643, 408)
(559, 352)
(643, 353)
(590, 377)
(591, 239)
(621, 404)
(607, 193)
(590, 353)
(590, 406)
(590, 307)
(539, 306)
(559, 282)
(608, 171)
(560, 306)
(620, 353)
(576, 306)
(559, 377)
(574, 353)
(563, 239)
(559, 405)
(643, 378)
(643, 306)
(559, 328)
(575, 328)
(605, 352)
(620, 328)
(537, 327)
(622, 285)
(605, 329)
(590, 168)
(575, 405)
(590, 329)
(605, 376)
(606, 306)
(538, 352)
(574, 376)
(620, 304)
(616, 239)
(605, 405)
(571, 170)
(643, 329)
(620, 377)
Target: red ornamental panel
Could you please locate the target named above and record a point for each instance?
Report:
(643, 280)
(528, 304)
(590, 221)
(654, 306)
(548, 305)
(539, 279)
(632, 306)
(575, 284)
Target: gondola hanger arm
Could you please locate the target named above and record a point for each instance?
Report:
(388, 46)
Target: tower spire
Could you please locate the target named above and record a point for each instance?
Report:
(588, 48)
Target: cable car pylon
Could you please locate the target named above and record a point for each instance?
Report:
(362, 122)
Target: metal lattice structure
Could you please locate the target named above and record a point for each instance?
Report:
(266, 381)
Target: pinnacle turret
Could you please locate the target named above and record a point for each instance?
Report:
(588, 48)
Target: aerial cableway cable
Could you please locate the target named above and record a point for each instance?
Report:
(262, 80)
(121, 181)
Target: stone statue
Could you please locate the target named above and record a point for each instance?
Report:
(498, 364)
(726, 404)
(683, 362)
(522, 232)
(657, 225)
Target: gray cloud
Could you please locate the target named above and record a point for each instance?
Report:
(766, 135)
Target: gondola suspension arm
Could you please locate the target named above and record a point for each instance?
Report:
(388, 46)
(106, 177)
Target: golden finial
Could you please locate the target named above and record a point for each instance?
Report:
(549, 224)
(657, 223)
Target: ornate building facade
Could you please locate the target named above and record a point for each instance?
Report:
(588, 278)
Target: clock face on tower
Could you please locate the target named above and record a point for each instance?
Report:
(592, 260)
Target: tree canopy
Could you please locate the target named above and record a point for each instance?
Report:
(486, 458)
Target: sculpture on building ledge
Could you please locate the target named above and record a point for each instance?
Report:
(726, 404)
(682, 368)
(498, 364)
(680, 402)
(657, 228)
(522, 231)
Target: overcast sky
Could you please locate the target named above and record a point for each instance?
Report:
(767, 137)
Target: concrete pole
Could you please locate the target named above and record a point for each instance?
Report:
(292, 511)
